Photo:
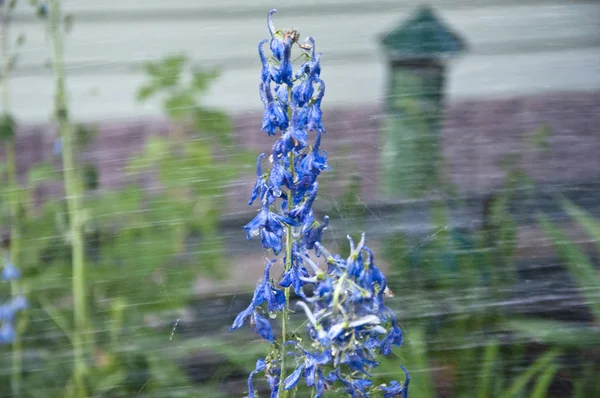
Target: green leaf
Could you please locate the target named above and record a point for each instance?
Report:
(156, 149)
(84, 135)
(146, 92)
(43, 172)
(90, 177)
(585, 220)
(543, 383)
(213, 121)
(201, 79)
(107, 382)
(166, 72)
(56, 316)
(7, 127)
(521, 382)
(539, 138)
(179, 105)
(489, 359)
(581, 269)
(415, 358)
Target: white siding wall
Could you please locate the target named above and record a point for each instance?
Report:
(516, 47)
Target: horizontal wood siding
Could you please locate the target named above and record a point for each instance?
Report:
(515, 48)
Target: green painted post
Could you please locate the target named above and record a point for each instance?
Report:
(417, 51)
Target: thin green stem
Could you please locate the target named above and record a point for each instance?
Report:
(288, 265)
(73, 193)
(15, 233)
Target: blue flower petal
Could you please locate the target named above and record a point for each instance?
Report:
(292, 380)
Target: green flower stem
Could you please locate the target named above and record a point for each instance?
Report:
(15, 233)
(288, 265)
(73, 191)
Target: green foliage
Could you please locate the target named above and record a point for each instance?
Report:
(585, 275)
(7, 127)
(143, 248)
(579, 266)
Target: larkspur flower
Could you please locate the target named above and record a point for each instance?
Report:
(7, 333)
(261, 186)
(349, 324)
(270, 226)
(10, 272)
(260, 366)
(264, 292)
(10, 309)
(275, 115)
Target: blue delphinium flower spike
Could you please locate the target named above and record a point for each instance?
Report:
(348, 322)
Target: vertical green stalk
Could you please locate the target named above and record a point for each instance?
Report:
(15, 233)
(73, 191)
(288, 264)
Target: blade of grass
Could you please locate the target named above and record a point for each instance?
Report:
(579, 266)
(543, 383)
(485, 376)
(585, 221)
(414, 357)
(56, 316)
(521, 382)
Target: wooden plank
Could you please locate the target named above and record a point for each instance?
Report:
(207, 7)
(111, 94)
(220, 41)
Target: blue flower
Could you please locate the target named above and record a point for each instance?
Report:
(264, 291)
(262, 327)
(393, 337)
(314, 118)
(294, 275)
(283, 146)
(264, 74)
(311, 164)
(274, 115)
(279, 177)
(260, 186)
(348, 321)
(273, 381)
(7, 333)
(6, 312)
(260, 366)
(352, 386)
(310, 368)
(302, 210)
(270, 226)
(302, 93)
(313, 65)
(395, 388)
(281, 46)
(10, 272)
(276, 45)
(313, 234)
(19, 303)
(283, 74)
(298, 132)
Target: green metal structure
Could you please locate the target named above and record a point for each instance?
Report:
(417, 51)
